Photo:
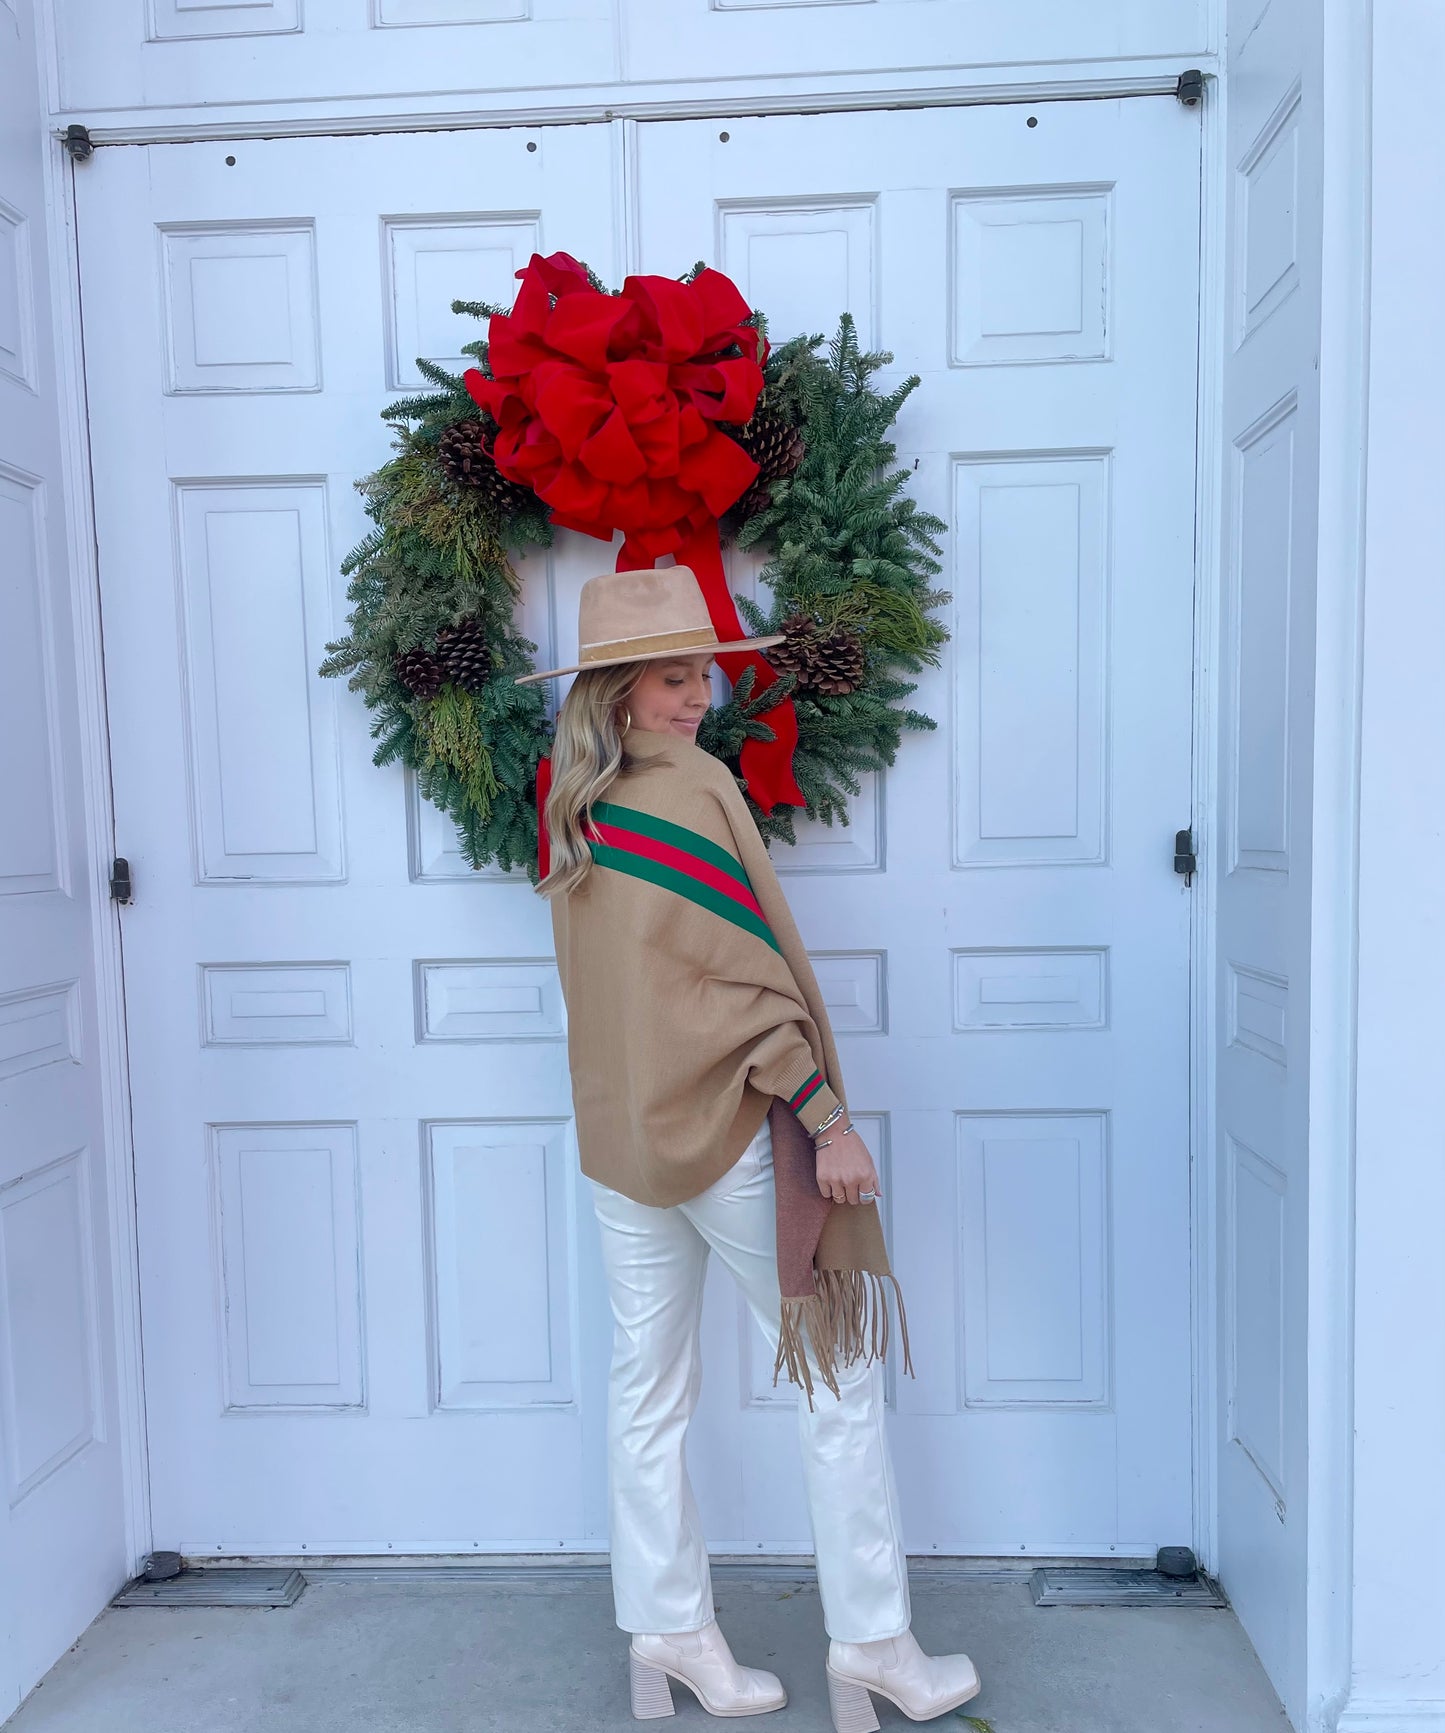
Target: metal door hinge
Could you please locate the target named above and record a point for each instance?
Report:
(1184, 857)
(120, 886)
(1190, 88)
(78, 144)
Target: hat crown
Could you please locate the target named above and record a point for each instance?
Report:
(642, 615)
(619, 608)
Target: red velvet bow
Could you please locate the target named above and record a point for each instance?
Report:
(606, 406)
(606, 403)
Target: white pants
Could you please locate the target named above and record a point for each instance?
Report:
(655, 1261)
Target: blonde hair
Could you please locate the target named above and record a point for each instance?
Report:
(587, 752)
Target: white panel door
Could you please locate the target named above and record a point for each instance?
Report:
(363, 1287)
(1001, 929)
(63, 1540)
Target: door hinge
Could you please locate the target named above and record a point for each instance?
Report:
(120, 886)
(77, 143)
(1190, 88)
(1184, 858)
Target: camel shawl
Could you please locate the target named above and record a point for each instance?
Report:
(692, 1014)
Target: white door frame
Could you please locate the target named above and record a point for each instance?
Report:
(1331, 997)
(1210, 555)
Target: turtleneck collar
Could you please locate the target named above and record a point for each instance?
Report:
(649, 743)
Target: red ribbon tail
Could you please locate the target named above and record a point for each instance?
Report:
(544, 848)
(767, 765)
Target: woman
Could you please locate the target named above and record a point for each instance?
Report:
(710, 1117)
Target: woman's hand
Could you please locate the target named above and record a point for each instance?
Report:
(844, 1167)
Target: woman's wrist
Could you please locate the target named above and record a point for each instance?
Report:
(830, 1121)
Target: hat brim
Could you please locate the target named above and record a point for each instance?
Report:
(654, 656)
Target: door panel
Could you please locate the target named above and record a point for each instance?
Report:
(281, 51)
(738, 38)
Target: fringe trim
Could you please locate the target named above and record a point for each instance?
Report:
(845, 1307)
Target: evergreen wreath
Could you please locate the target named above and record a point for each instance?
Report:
(434, 649)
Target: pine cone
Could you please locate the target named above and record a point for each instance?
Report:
(777, 447)
(838, 663)
(466, 460)
(463, 654)
(793, 654)
(826, 662)
(758, 498)
(773, 443)
(420, 672)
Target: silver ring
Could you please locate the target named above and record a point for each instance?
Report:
(866, 1196)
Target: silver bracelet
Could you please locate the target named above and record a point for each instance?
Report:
(832, 1119)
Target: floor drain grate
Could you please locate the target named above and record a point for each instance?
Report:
(1105, 1586)
(221, 1587)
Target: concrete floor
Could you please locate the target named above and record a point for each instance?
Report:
(376, 1651)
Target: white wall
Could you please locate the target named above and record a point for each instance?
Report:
(1398, 1640)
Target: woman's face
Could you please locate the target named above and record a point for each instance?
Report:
(671, 696)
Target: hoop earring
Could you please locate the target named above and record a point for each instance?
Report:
(628, 723)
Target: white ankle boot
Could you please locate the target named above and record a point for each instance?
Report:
(922, 1686)
(703, 1660)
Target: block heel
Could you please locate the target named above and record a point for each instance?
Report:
(852, 1707)
(651, 1689)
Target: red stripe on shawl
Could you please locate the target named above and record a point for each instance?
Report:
(663, 852)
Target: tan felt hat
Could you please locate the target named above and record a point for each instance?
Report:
(641, 616)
